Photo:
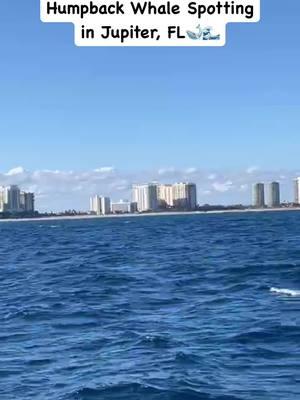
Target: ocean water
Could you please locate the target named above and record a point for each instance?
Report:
(151, 308)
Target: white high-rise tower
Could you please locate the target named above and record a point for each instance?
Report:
(145, 196)
(100, 205)
(297, 191)
(185, 196)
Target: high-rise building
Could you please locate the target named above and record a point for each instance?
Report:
(1, 199)
(105, 205)
(185, 196)
(95, 206)
(12, 196)
(297, 191)
(27, 201)
(12, 200)
(274, 194)
(258, 194)
(100, 205)
(145, 196)
(165, 195)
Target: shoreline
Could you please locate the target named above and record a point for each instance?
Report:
(154, 214)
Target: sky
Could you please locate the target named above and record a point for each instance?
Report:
(79, 121)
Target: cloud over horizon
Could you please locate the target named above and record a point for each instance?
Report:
(58, 190)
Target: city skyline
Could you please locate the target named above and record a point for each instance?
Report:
(151, 197)
(62, 190)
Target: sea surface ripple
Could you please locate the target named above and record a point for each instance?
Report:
(151, 308)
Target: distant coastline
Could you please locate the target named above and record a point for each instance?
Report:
(150, 214)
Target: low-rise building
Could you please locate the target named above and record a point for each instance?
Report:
(121, 207)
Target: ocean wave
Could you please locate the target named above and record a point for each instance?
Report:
(287, 292)
(158, 313)
(156, 341)
(135, 391)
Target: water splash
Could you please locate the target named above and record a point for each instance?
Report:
(287, 292)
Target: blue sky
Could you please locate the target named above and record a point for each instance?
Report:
(139, 110)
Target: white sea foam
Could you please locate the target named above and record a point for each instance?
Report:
(287, 292)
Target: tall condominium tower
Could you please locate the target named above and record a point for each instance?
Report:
(2, 204)
(100, 205)
(274, 194)
(258, 195)
(12, 197)
(297, 191)
(165, 195)
(27, 201)
(145, 196)
(185, 196)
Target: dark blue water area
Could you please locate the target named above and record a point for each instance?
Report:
(155, 308)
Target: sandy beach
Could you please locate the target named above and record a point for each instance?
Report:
(154, 214)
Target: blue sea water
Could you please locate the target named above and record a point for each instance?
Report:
(151, 308)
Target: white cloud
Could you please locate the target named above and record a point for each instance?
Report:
(212, 177)
(15, 171)
(191, 170)
(103, 170)
(222, 187)
(166, 171)
(251, 170)
(244, 187)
